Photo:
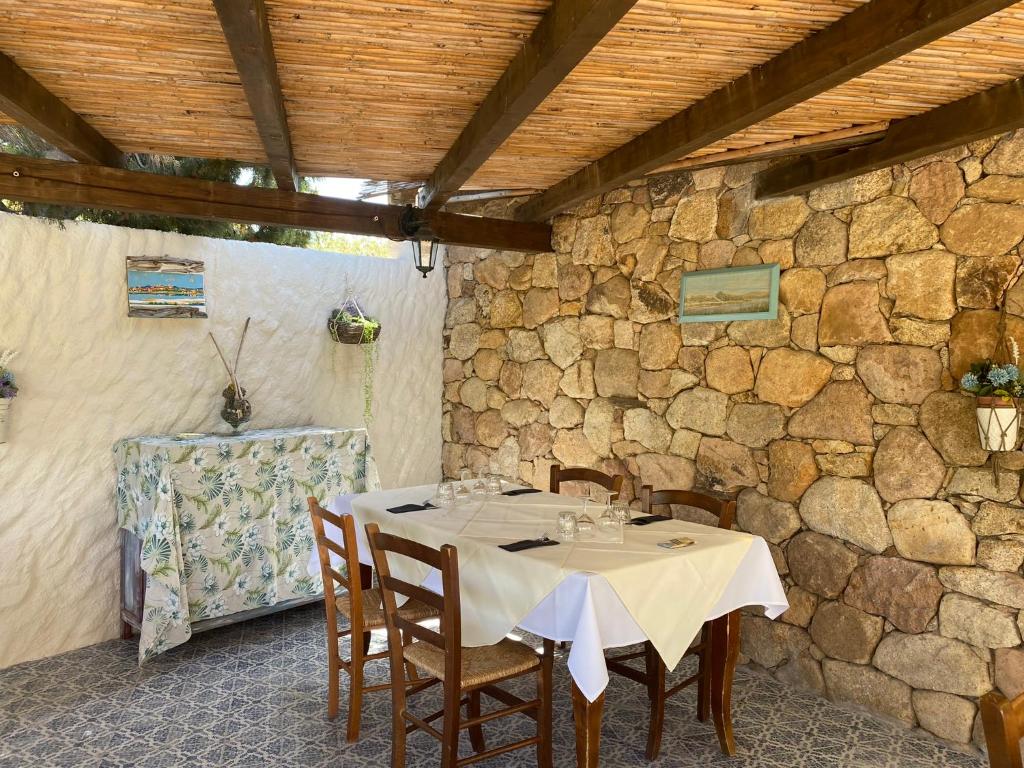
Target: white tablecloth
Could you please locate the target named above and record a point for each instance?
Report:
(579, 605)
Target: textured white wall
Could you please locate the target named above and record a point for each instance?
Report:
(91, 375)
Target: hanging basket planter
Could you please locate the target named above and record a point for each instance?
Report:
(998, 423)
(349, 325)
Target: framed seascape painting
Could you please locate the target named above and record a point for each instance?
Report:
(165, 287)
(733, 293)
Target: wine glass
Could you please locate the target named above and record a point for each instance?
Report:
(585, 523)
(462, 488)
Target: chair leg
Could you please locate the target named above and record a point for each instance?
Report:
(544, 693)
(704, 681)
(655, 668)
(333, 683)
(397, 723)
(355, 690)
(367, 637)
(450, 734)
(476, 732)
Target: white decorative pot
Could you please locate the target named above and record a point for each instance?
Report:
(998, 423)
(5, 417)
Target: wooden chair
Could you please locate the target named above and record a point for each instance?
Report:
(464, 673)
(561, 475)
(1003, 720)
(360, 605)
(653, 674)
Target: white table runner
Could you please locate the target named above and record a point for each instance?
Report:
(599, 595)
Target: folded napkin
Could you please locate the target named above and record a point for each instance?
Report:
(410, 508)
(519, 546)
(648, 519)
(520, 491)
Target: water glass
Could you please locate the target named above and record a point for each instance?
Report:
(609, 527)
(622, 512)
(445, 497)
(479, 489)
(566, 525)
(494, 485)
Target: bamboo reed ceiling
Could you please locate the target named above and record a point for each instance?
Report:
(382, 88)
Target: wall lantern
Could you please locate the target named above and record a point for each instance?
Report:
(424, 252)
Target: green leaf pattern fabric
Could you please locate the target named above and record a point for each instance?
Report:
(223, 520)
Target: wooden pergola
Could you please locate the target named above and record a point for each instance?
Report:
(558, 99)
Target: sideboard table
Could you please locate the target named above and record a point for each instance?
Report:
(215, 528)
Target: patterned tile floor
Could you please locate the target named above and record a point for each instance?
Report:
(253, 695)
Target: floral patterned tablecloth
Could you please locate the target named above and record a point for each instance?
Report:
(223, 520)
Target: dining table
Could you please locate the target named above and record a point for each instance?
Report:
(591, 591)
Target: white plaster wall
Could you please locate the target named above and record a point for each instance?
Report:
(91, 375)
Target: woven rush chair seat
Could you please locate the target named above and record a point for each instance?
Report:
(373, 609)
(480, 666)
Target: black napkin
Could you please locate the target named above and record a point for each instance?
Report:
(410, 508)
(648, 519)
(519, 546)
(520, 491)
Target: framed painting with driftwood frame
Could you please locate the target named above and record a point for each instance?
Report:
(733, 293)
(165, 286)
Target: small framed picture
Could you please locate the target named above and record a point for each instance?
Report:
(733, 293)
(165, 287)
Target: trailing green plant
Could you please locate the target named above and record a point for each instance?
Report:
(350, 326)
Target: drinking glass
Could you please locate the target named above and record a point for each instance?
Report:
(479, 489)
(609, 527)
(566, 525)
(445, 495)
(622, 512)
(462, 488)
(585, 523)
(494, 485)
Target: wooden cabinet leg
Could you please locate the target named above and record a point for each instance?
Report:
(127, 630)
(588, 728)
(725, 646)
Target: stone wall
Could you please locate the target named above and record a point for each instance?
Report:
(839, 424)
(91, 375)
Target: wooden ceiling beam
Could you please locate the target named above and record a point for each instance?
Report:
(564, 36)
(975, 117)
(247, 32)
(35, 180)
(799, 146)
(867, 37)
(24, 99)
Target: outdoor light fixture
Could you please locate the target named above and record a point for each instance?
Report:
(424, 252)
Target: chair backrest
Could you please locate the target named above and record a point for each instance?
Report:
(722, 508)
(1003, 721)
(449, 637)
(347, 550)
(561, 475)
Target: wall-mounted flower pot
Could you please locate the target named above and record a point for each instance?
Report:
(346, 328)
(5, 417)
(998, 423)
